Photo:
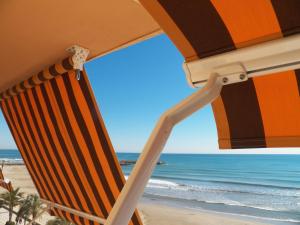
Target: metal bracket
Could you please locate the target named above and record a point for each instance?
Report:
(261, 59)
(79, 57)
(233, 73)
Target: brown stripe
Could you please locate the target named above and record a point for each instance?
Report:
(14, 89)
(7, 94)
(243, 114)
(201, 25)
(297, 73)
(67, 64)
(103, 136)
(60, 185)
(246, 26)
(75, 144)
(55, 151)
(32, 158)
(44, 169)
(107, 148)
(41, 76)
(287, 12)
(59, 147)
(20, 146)
(67, 153)
(22, 85)
(171, 29)
(88, 140)
(79, 220)
(27, 153)
(31, 82)
(53, 71)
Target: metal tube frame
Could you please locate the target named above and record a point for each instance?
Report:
(74, 211)
(141, 173)
(126, 203)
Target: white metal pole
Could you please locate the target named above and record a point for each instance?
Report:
(134, 187)
(74, 211)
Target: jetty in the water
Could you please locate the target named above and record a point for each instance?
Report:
(132, 162)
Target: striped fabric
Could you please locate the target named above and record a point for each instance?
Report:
(6, 184)
(264, 111)
(62, 138)
(46, 74)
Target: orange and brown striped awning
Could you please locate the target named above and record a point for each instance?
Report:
(264, 111)
(59, 131)
(6, 184)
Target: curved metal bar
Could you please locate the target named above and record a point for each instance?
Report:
(135, 185)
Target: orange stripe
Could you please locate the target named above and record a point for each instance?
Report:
(222, 123)
(51, 153)
(48, 168)
(93, 132)
(19, 138)
(59, 148)
(91, 150)
(77, 220)
(38, 176)
(20, 147)
(279, 104)
(69, 144)
(167, 24)
(116, 162)
(82, 143)
(249, 22)
(31, 142)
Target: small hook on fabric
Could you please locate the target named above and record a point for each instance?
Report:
(78, 75)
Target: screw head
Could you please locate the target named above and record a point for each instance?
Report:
(242, 76)
(225, 80)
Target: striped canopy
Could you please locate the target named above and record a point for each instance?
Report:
(59, 131)
(54, 117)
(35, 34)
(264, 111)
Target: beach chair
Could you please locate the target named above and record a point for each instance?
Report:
(230, 48)
(5, 183)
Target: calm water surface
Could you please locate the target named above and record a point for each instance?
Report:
(257, 186)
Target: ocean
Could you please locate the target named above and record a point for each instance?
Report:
(255, 186)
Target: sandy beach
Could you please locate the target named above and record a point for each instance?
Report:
(152, 213)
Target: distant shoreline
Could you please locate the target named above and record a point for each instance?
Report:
(152, 212)
(252, 186)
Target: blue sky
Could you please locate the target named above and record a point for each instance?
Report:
(133, 87)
